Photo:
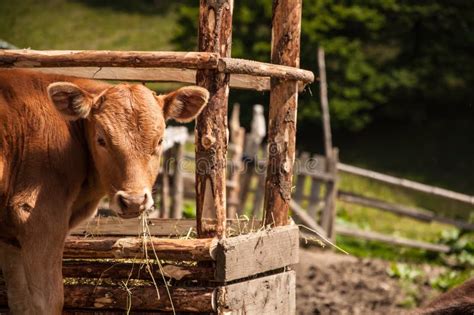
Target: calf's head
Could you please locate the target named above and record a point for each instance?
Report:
(124, 127)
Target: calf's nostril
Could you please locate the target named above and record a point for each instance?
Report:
(123, 202)
(145, 199)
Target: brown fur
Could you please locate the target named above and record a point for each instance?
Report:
(66, 142)
(457, 301)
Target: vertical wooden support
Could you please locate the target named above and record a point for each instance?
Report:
(329, 213)
(253, 141)
(215, 35)
(301, 178)
(314, 197)
(237, 137)
(286, 29)
(178, 189)
(323, 88)
(165, 186)
(260, 189)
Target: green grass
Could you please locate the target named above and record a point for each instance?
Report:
(60, 24)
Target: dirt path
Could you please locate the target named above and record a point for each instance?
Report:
(329, 283)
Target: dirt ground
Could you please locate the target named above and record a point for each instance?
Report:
(330, 283)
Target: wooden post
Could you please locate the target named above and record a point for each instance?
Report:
(237, 136)
(253, 141)
(178, 190)
(301, 178)
(165, 186)
(323, 88)
(286, 29)
(260, 189)
(215, 35)
(314, 197)
(329, 213)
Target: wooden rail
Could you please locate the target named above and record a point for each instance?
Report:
(418, 214)
(27, 58)
(405, 183)
(374, 236)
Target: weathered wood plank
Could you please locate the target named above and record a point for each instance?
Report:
(237, 81)
(133, 247)
(144, 298)
(242, 256)
(271, 295)
(110, 226)
(126, 270)
(191, 299)
(374, 236)
(215, 36)
(286, 30)
(113, 226)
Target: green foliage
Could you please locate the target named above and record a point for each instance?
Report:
(450, 279)
(392, 58)
(403, 271)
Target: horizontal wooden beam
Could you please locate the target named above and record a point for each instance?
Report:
(185, 299)
(242, 66)
(322, 176)
(152, 66)
(405, 183)
(247, 255)
(133, 247)
(106, 58)
(188, 76)
(114, 226)
(414, 213)
(399, 241)
(126, 270)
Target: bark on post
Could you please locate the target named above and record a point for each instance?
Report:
(286, 31)
(215, 35)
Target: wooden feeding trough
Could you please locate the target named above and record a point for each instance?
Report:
(110, 268)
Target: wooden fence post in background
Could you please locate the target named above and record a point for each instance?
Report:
(178, 184)
(237, 137)
(165, 186)
(323, 88)
(253, 141)
(286, 29)
(329, 212)
(314, 197)
(215, 35)
(300, 177)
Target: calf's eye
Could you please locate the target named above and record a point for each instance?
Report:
(101, 141)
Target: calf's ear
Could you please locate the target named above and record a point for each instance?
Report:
(184, 104)
(70, 100)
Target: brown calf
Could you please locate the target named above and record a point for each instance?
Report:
(66, 142)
